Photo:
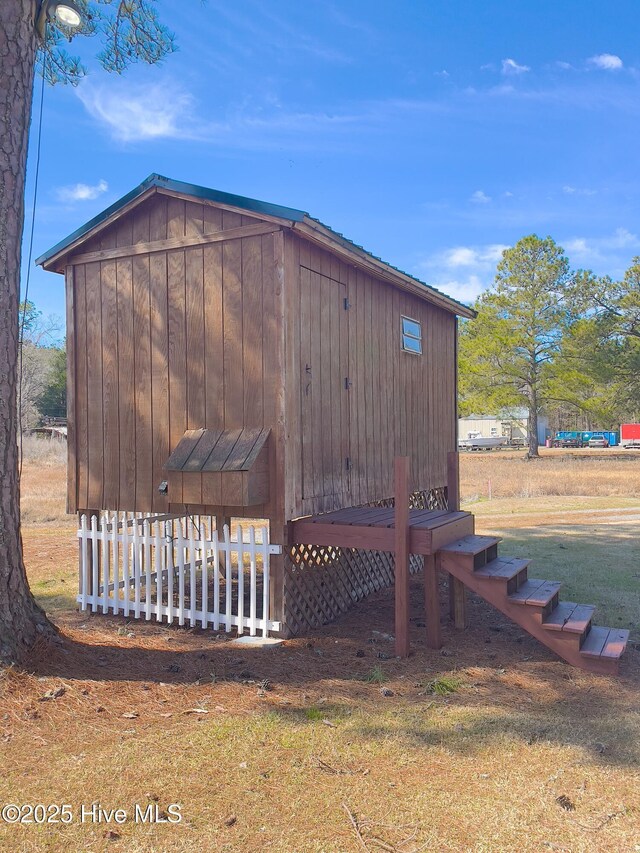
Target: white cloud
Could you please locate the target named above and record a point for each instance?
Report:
(610, 253)
(82, 192)
(564, 66)
(503, 89)
(623, 239)
(472, 256)
(569, 190)
(462, 271)
(461, 256)
(606, 62)
(480, 197)
(135, 113)
(510, 66)
(464, 290)
(577, 246)
(443, 73)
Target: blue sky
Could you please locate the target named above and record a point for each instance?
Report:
(435, 134)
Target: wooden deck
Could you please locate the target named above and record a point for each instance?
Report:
(373, 528)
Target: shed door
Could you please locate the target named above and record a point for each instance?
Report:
(324, 346)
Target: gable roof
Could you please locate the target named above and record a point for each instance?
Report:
(298, 220)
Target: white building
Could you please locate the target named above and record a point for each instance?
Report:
(510, 425)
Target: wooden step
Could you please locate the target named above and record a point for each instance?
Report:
(537, 593)
(512, 571)
(564, 627)
(503, 568)
(470, 545)
(605, 643)
(571, 617)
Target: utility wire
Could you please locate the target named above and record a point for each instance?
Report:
(26, 286)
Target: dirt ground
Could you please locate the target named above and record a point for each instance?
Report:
(328, 742)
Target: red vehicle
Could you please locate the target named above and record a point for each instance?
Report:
(630, 435)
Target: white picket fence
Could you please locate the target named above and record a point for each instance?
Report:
(143, 566)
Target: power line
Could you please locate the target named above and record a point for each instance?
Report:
(26, 286)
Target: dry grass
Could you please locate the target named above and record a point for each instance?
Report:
(43, 485)
(44, 451)
(321, 760)
(478, 769)
(557, 472)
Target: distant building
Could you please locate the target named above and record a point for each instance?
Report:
(510, 425)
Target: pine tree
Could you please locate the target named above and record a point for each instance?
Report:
(505, 353)
(129, 31)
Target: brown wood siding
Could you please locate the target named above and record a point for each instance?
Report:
(251, 331)
(72, 440)
(398, 403)
(77, 335)
(94, 460)
(180, 339)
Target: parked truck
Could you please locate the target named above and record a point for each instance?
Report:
(630, 435)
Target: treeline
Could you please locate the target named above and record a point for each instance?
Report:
(42, 369)
(554, 340)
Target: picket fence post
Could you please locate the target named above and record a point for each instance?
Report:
(265, 582)
(240, 540)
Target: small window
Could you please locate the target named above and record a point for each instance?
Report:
(411, 336)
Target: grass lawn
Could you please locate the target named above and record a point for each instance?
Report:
(592, 548)
(328, 743)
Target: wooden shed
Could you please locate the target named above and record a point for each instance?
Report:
(236, 358)
(233, 358)
(190, 309)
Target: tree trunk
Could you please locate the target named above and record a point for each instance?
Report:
(21, 620)
(532, 426)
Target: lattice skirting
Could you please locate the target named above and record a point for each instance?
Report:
(321, 583)
(426, 499)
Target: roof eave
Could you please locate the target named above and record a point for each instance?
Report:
(52, 260)
(312, 228)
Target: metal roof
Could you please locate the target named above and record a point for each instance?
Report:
(155, 180)
(288, 214)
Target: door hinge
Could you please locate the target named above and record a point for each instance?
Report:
(347, 463)
(347, 304)
(347, 383)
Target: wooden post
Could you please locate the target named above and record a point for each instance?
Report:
(402, 541)
(278, 535)
(89, 562)
(457, 603)
(453, 481)
(275, 296)
(432, 601)
(88, 575)
(457, 590)
(221, 520)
